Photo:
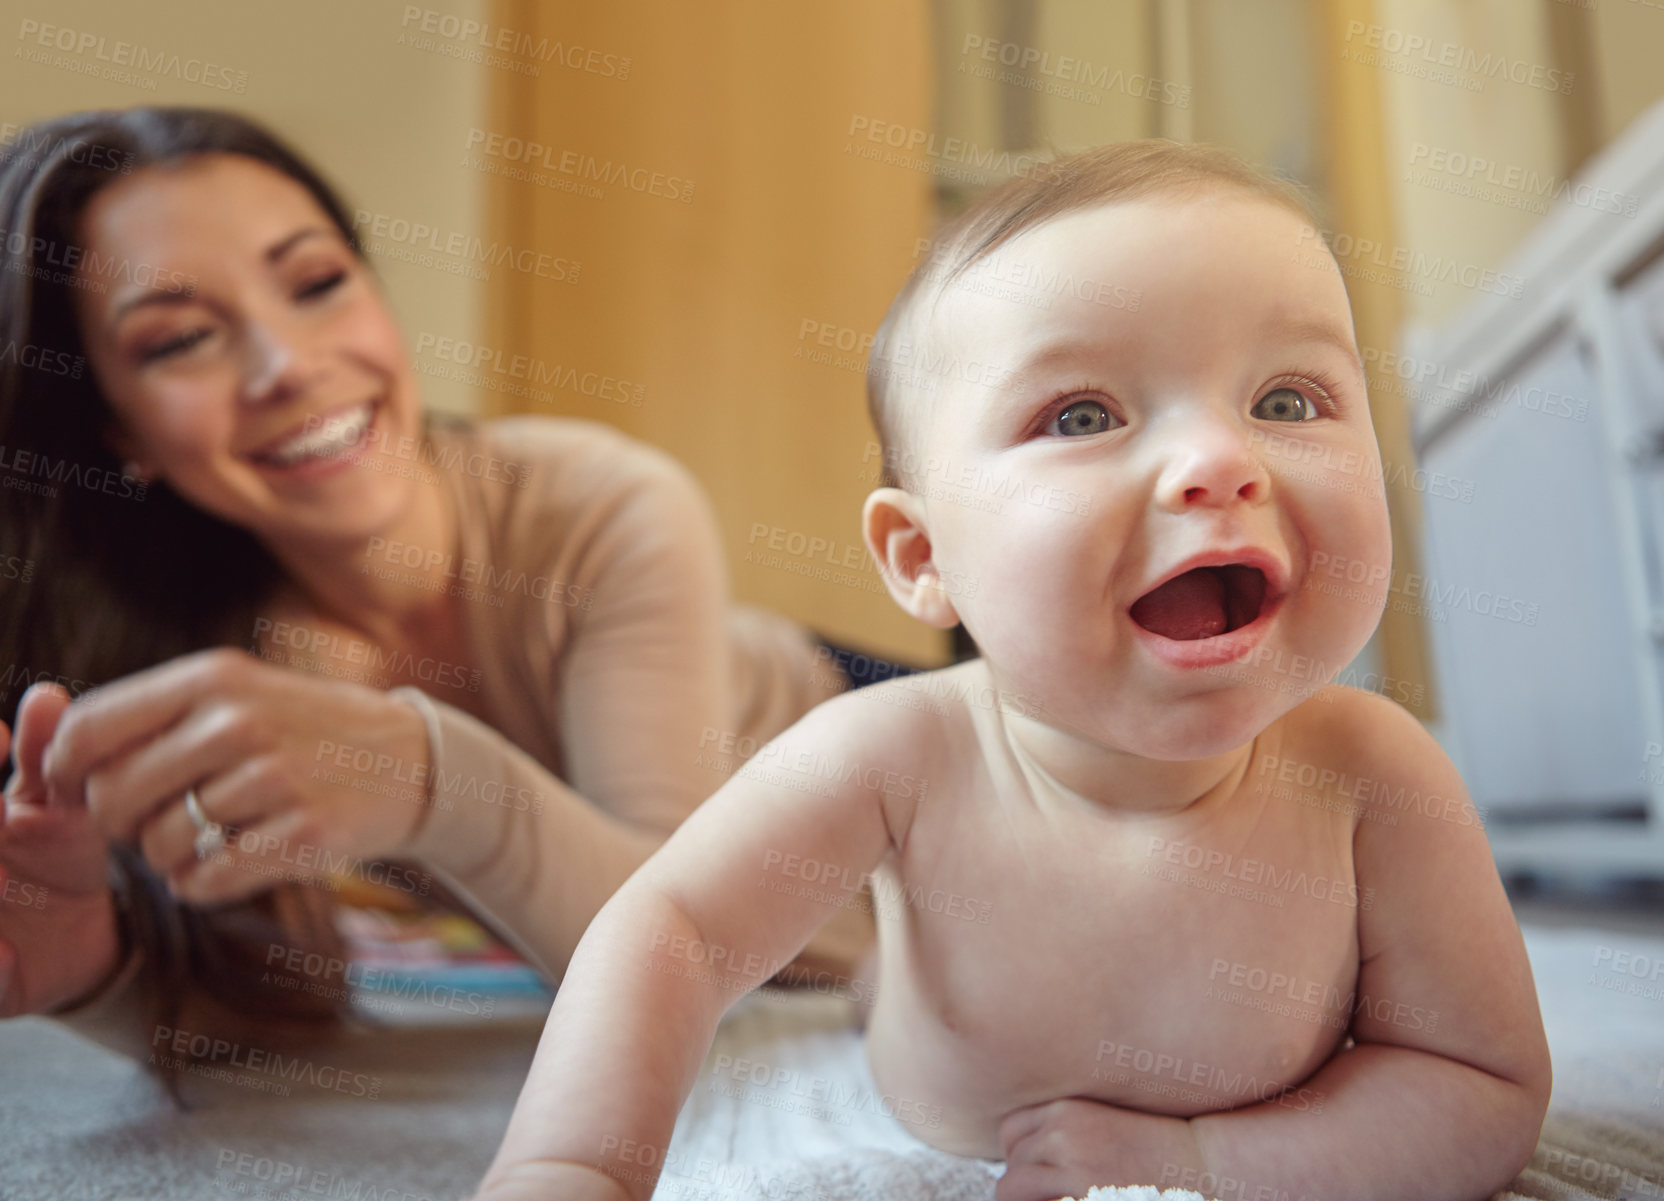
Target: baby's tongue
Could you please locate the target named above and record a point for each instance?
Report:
(1184, 609)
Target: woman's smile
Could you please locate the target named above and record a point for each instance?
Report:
(322, 445)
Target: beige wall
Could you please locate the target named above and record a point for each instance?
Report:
(379, 118)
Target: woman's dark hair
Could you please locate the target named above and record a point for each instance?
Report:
(101, 575)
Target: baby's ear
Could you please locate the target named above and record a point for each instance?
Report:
(893, 523)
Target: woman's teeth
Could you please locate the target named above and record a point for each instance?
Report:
(333, 436)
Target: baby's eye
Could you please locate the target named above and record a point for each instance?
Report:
(1082, 417)
(1285, 404)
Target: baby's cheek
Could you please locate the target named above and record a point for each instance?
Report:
(1377, 538)
(1343, 597)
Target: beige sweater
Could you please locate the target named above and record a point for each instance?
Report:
(606, 665)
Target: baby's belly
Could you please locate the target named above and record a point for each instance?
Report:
(1216, 1034)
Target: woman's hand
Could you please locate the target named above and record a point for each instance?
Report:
(58, 937)
(1063, 1148)
(308, 777)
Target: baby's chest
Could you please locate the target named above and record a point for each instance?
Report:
(1176, 977)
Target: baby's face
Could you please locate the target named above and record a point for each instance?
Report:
(1196, 394)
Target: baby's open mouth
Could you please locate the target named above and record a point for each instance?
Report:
(1202, 603)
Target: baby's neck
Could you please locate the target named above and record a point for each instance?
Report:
(1077, 769)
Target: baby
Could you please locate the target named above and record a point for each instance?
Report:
(1209, 920)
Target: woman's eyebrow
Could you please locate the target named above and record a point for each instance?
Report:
(152, 296)
(287, 244)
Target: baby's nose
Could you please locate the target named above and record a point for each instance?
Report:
(1217, 469)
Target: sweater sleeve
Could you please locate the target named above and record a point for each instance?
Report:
(645, 665)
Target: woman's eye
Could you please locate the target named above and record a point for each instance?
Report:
(1082, 417)
(174, 345)
(319, 287)
(1284, 404)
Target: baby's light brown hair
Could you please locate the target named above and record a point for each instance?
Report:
(1102, 175)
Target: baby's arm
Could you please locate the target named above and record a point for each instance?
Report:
(1444, 1094)
(687, 935)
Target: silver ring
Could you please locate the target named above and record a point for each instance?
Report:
(210, 835)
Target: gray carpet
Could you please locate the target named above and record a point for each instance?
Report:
(79, 1122)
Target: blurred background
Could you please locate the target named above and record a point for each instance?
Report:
(687, 221)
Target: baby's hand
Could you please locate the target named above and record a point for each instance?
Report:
(1063, 1148)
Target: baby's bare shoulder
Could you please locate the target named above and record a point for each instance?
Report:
(916, 729)
(1409, 791)
(911, 720)
(1359, 731)
(1374, 755)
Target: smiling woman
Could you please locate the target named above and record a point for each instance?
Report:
(492, 652)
